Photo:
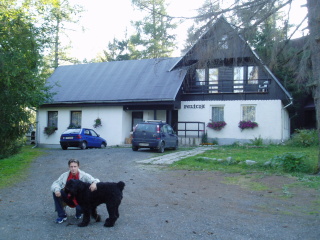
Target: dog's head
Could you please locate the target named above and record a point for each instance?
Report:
(74, 186)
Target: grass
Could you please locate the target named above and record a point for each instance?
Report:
(262, 154)
(14, 168)
(242, 153)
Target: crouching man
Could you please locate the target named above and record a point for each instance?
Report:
(61, 198)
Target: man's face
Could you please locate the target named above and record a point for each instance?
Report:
(73, 167)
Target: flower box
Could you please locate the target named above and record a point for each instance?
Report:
(247, 124)
(216, 125)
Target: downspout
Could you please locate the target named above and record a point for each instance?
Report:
(289, 104)
(37, 127)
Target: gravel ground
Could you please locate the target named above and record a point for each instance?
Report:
(158, 203)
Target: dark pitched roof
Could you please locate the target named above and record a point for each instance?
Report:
(221, 27)
(121, 81)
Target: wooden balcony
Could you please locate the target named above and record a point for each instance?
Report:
(227, 86)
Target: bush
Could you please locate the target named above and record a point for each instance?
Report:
(11, 148)
(304, 138)
(291, 162)
(257, 141)
(204, 138)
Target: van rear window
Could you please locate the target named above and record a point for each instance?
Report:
(146, 128)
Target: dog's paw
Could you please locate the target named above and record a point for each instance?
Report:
(82, 224)
(109, 223)
(98, 218)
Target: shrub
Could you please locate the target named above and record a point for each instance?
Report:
(304, 138)
(204, 138)
(291, 162)
(257, 141)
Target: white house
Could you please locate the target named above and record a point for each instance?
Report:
(219, 79)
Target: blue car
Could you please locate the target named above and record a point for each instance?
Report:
(82, 138)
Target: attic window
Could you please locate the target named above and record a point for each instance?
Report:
(200, 76)
(253, 75)
(223, 44)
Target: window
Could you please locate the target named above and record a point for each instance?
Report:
(223, 44)
(53, 119)
(213, 80)
(217, 114)
(253, 75)
(238, 74)
(249, 113)
(75, 119)
(200, 76)
(93, 133)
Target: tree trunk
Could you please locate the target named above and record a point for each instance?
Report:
(314, 29)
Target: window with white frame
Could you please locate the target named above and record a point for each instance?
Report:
(238, 73)
(213, 80)
(217, 113)
(200, 76)
(75, 119)
(253, 74)
(53, 119)
(248, 113)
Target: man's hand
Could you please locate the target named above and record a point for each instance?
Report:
(93, 187)
(58, 194)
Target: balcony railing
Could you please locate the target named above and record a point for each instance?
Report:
(228, 86)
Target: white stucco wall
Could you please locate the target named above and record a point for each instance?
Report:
(116, 123)
(273, 120)
(112, 119)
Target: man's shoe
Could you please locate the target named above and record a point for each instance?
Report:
(78, 216)
(61, 219)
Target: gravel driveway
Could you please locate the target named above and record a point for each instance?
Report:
(158, 203)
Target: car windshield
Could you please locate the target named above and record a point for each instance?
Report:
(146, 128)
(72, 131)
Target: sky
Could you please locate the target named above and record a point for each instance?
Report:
(104, 20)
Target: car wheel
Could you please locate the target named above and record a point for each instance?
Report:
(161, 148)
(134, 148)
(83, 145)
(64, 147)
(103, 145)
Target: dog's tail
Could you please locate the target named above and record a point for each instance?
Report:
(121, 185)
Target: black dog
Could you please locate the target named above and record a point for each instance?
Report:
(108, 193)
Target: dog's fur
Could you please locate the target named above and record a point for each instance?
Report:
(109, 193)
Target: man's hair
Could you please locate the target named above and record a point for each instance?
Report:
(73, 161)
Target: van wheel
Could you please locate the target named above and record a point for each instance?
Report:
(135, 148)
(64, 147)
(161, 148)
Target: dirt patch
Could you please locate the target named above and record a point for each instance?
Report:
(162, 204)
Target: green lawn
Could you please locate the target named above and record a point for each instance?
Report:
(15, 168)
(242, 153)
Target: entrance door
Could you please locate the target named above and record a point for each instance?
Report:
(137, 117)
(173, 121)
